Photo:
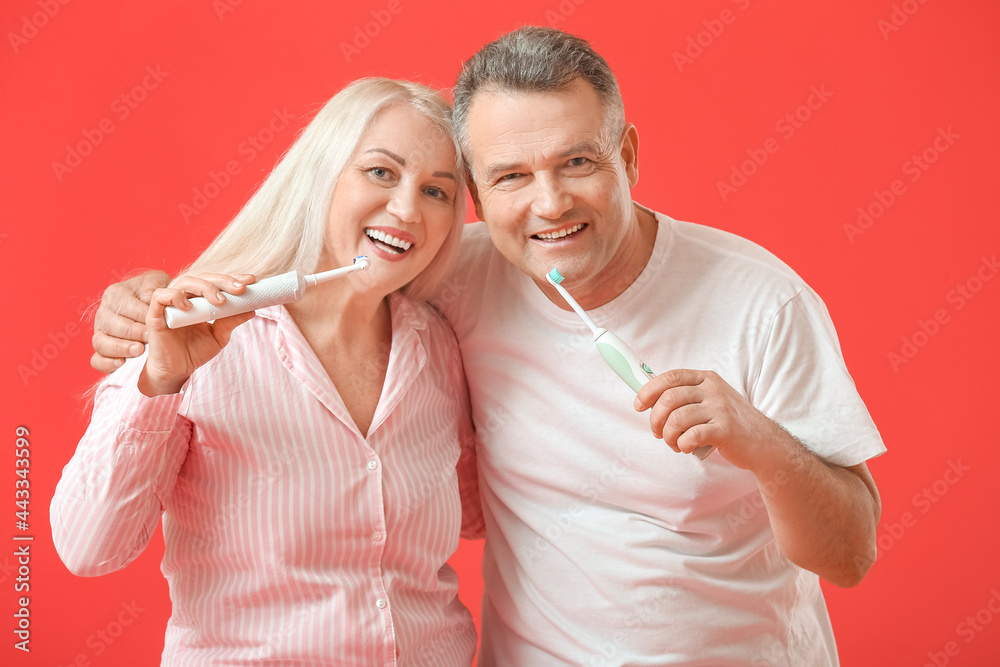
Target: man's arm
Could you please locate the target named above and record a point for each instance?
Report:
(824, 516)
(120, 321)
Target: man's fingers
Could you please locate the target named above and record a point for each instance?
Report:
(120, 300)
(669, 401)
(130, 327)
(698, 436)
(115, 348)
(148, 283)
(679, 421)
(678, 377)
(104, 364)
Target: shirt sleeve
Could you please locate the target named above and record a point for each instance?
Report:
(473, 523)
(109, 500)
(803, 384)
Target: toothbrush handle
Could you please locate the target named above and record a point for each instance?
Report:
(631, 369)
(268, 292)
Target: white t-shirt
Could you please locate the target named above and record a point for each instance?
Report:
(605, 547)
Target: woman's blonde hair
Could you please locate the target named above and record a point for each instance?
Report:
(283, 225)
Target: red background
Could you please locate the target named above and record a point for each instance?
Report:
(894, 75)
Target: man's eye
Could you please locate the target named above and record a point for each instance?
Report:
(578, 161)
(507, 177)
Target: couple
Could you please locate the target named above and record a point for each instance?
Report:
(306, 474)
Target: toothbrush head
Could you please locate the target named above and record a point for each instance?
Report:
(554, 276)
(361, 262)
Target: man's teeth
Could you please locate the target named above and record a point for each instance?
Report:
(548, 236)
(399, 245)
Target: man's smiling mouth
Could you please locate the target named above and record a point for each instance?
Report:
(562, 233)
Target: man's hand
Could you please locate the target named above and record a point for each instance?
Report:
(692, 409)
(120, 322)
(824, 516)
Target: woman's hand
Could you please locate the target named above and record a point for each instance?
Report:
(174, 354)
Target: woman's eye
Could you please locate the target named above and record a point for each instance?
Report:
(378, 172)
(437, 193)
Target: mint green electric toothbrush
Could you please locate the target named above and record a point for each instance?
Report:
(623, 361)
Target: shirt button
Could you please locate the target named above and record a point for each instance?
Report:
(376, 537)
(372, 465)
(380, 603)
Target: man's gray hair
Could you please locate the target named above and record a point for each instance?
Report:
(534, 59)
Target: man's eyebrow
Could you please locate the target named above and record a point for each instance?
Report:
(402, 163)
(500, 167)
(586, 146)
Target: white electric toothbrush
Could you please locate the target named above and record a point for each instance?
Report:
(623, 361)
(271, 291)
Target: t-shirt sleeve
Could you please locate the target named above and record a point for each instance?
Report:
(803, 384)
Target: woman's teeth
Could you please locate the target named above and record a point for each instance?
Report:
(548, 236)
(397, 245)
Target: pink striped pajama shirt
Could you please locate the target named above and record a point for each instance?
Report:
(291, 538)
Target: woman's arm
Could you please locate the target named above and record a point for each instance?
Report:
(111, 494)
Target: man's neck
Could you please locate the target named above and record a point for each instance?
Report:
(623, 270)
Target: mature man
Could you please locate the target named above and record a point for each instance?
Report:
(605, 545)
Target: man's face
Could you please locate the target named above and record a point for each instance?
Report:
(552, 186)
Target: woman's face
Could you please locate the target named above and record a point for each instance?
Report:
(395, 199)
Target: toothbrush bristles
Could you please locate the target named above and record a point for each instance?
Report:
(555, 276)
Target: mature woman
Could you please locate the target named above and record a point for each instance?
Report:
(304, 464)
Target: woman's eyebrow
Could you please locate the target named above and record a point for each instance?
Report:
(402, 162)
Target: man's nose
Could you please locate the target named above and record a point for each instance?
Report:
(551, 199)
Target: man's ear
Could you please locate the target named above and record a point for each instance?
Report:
(630, 153)
(474, 191)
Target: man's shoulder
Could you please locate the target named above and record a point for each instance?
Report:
(732, 251)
